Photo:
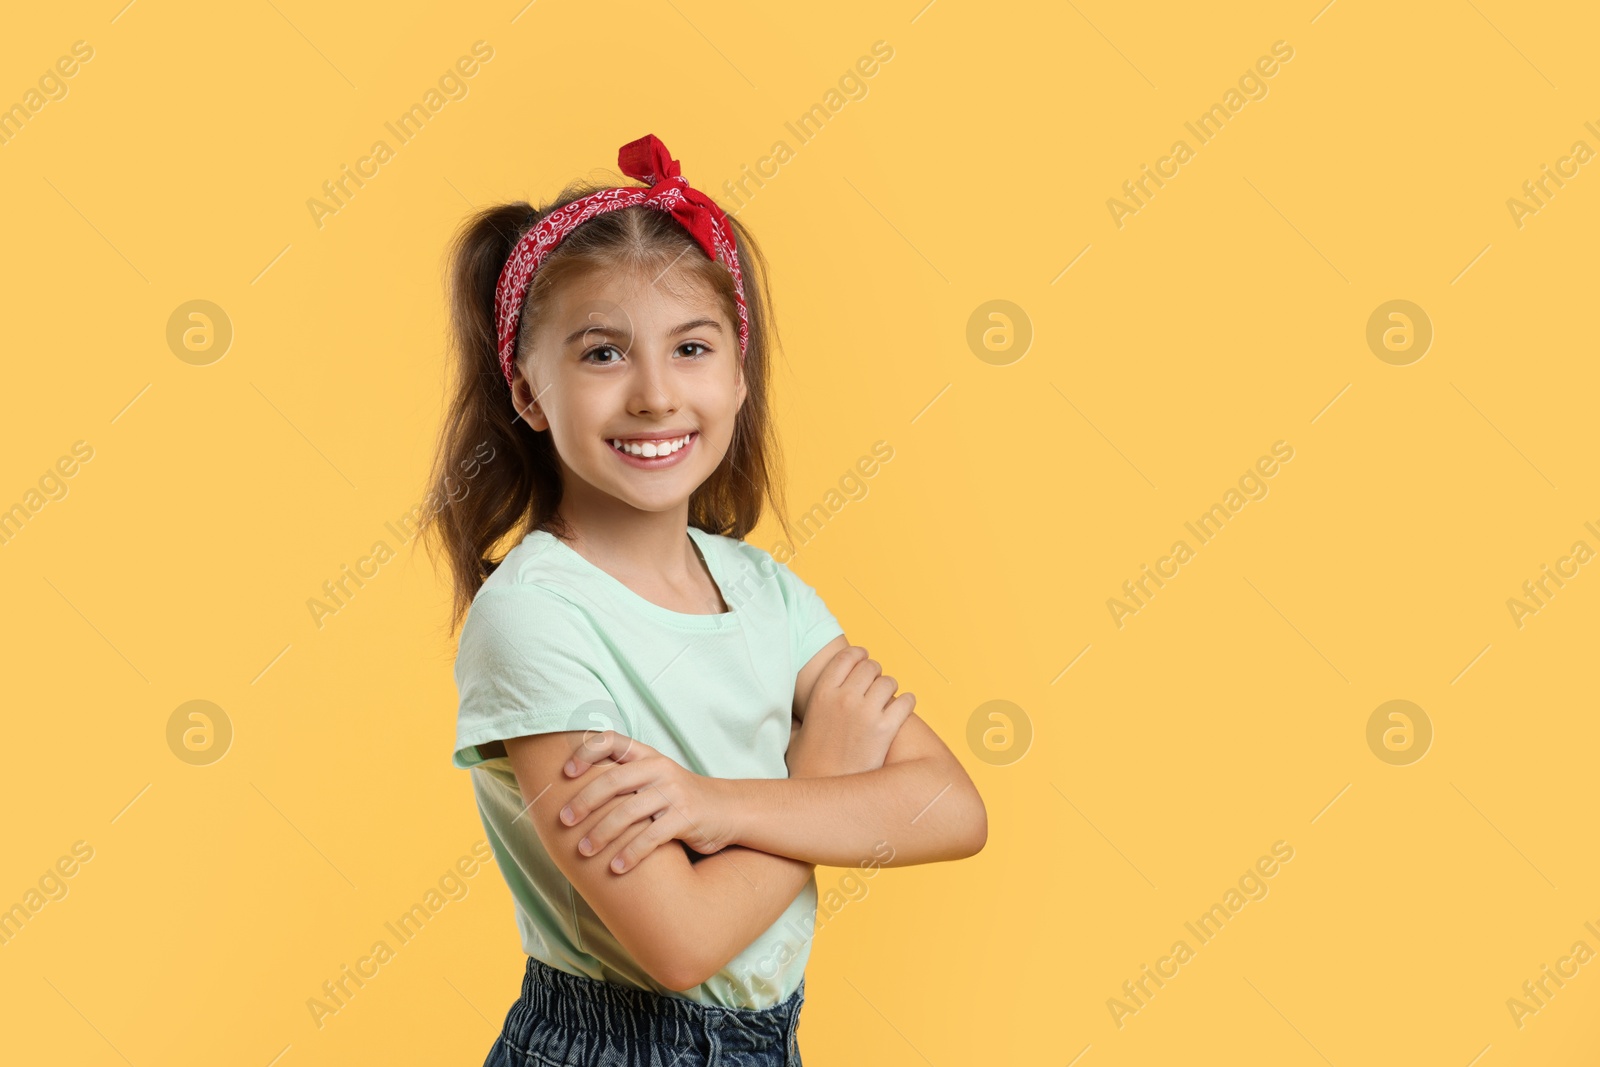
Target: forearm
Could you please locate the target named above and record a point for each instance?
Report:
(926, 809)
(736, 895)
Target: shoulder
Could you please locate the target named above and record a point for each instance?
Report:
(750, 568)
(529, 560)
(744, 554)
(535, 571)
(524, 645)
(532, 600)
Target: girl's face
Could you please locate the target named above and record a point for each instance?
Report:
(621, 356)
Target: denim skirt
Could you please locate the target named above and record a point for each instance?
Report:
(568, 1020)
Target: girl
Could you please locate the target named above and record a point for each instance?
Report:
(666, 727)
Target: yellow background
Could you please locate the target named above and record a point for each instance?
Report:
(1229, 313)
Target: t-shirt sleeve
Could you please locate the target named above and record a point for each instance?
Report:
(811, 624)
(524, 666)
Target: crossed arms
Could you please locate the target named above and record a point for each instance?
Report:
(682, 920)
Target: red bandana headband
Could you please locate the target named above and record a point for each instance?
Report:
(665, 190)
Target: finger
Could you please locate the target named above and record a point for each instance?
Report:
(839, 667)
(899, 710)
(595, 745)
(863, 675)
(602, 811)
(882, 690)
(603, 761)
(588, 748)
(641, 805)
(621, 778)
(615, 780)
(640, 843)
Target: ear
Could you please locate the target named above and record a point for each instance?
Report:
(523, 403)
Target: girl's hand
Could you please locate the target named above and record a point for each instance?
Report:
(851, 718)
(679, 804)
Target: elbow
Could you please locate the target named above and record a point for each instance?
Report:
(699, 958)
(678, 981)
(669, 965)
(684, 961)
(673, 973)
(683, 971)
(977, 827)
(669, 959)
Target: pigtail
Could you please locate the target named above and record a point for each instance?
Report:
(491, 472)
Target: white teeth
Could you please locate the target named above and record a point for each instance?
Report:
(650, 449)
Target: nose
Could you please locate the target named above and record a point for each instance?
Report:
(651, 387)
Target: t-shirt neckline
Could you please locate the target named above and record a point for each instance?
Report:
(621, 593)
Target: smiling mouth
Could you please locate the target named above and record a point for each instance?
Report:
(653, 449)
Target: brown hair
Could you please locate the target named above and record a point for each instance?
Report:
(512, 479)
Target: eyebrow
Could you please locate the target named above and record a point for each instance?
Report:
(608, 331)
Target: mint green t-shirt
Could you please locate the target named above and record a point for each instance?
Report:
(552, 642)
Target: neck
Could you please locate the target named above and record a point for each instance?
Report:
(628, 543)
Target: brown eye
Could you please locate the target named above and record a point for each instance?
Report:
(601, 348)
